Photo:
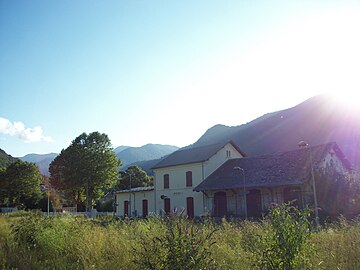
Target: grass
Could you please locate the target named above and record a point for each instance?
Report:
(32, 241)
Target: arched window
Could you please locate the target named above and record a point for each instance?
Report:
(189, 179)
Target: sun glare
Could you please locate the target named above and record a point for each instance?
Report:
(349, 99)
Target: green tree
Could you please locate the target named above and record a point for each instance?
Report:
(139, 178)
(86, 167)
(20, 184)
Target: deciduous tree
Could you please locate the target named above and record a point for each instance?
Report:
(139, 178)
(20, 184)
(87, 166)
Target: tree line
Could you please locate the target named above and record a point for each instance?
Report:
(81, 174)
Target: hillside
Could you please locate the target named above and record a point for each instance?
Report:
(5, 159)
(317, 120)
(147, 152)
(42, 161)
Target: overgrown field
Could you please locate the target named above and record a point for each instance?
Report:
(284, 240)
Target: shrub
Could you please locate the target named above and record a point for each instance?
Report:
(284, 240)
(181, 245)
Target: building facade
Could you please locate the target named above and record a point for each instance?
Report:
(219, 180)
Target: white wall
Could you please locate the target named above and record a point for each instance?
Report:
(220, 158)
(136, 202)
(178, 192)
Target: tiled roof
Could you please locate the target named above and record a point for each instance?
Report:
(192, 155)
(288, 168)
(137, 189)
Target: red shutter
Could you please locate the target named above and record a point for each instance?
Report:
(166, 181)
(189, 179)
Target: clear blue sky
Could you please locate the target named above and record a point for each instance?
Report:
(164, 71)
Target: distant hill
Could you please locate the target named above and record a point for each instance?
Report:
(146, 165)
(317, 120)
(147, 152)
(120, 148)
(128, 155)
(5, 159)
(42, 161)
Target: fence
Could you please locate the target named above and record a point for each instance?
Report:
(8, 209)
(92, 214)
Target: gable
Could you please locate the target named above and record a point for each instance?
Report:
(193, 155)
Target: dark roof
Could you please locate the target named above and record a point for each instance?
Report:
(137, 189)
(288, 168)
(193, 155)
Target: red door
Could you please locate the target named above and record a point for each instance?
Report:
(145, 208)
(190, 207)
(220, 204)
(167, 206)
(126, 208)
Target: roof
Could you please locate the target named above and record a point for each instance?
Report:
(193, 155)
(137, 189)
(287, 168)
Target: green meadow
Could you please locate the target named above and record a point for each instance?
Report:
(285, 239)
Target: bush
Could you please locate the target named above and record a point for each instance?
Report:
(181, 245)
(284, 240)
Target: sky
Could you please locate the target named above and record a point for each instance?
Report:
(165, 71)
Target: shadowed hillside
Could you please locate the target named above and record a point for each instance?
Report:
(318, 120)
(5, 159)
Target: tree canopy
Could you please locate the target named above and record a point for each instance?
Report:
(87, 167)
(139, 178)
(20, 185)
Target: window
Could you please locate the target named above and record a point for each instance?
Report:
(126, 208)
(167, 206)
(189, 179)
(190, 207)
(228, 153)
(166, 181)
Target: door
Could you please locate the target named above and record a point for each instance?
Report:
(253, 200)
(167, 206)
(145, 208)
(190, 207)
(220, 204)
(126, 208)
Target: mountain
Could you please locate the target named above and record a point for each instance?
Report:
(147, 152)
(5, 159)
(120, 148)
(318, 120)
(42, 161)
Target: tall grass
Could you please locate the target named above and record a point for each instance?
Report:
(37, 242)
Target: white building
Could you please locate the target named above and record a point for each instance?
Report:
(214, 180)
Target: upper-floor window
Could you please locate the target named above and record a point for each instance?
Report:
(189, 179)
(228, 153)
(166, 181)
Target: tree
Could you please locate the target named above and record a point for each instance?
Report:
(20, 184)
(86, 167)
(139, 178)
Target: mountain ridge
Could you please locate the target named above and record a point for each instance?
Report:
(317, 120)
